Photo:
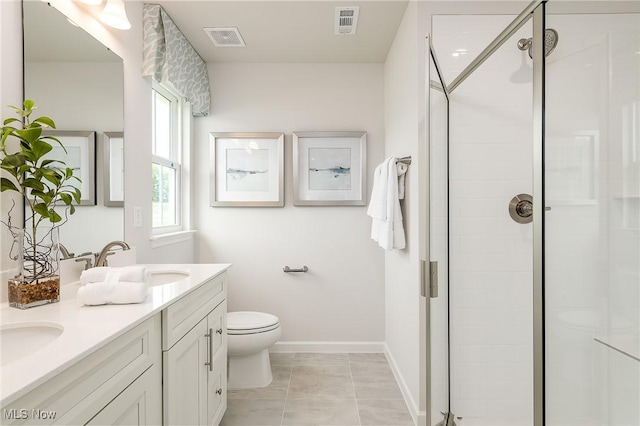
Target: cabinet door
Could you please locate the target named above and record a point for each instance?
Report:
(185, 378)
(138, 404)
(217, 375)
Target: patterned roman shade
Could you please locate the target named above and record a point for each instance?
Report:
(168, 56)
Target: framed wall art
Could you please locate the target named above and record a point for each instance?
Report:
(113, 172)
(247, 169)
(80, 156)
(329, 168)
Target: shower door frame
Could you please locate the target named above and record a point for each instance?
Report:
(536, 11)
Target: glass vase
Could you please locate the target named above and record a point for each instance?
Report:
(38, 280)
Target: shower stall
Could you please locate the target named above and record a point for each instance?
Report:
(534, 217)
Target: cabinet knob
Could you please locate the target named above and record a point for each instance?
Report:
(219, 391)
(219, 331)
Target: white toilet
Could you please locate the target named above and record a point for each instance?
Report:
(249, 335)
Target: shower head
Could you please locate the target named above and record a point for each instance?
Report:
(550, 42)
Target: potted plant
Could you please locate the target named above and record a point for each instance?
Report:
(44, 183)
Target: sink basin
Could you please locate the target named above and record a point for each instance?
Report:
(21, 339)
(166, 277)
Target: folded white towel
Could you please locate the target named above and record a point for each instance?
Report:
(384, 206)
(112, 291)
(134, 273)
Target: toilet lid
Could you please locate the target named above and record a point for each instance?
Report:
(245, 322)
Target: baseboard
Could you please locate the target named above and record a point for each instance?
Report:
(419, 417)
(328, 347)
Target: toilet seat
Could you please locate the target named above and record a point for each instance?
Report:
(247, 322)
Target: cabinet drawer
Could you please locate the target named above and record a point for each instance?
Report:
(185, 313)
(217, 323)
(79, 392)
(217, 390)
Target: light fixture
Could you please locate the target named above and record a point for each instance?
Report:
(115, 15)
(91, 2)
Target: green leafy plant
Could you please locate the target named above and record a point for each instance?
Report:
(43, 182)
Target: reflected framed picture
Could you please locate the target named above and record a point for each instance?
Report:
(113, 173)
(80, 156)
(247, 169)
(329, 168)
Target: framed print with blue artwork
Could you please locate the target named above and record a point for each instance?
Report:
(329, 168)
(247, 169)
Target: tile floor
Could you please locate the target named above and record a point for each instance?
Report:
(322, 389)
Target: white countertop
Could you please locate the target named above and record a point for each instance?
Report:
(87, 328)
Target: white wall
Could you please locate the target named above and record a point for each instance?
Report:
(402, 267)
(341, 298)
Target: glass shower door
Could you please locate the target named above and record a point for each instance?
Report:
(438, 296)
(592, 222)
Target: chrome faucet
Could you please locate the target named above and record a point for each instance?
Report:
(64, 252)
(101, 259)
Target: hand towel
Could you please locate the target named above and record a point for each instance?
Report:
(134, 273)
(112, 291)
(402, 172)
(384, 207)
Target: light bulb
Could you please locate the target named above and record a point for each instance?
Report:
(115, 15)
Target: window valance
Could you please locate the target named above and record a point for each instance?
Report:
(168, 56)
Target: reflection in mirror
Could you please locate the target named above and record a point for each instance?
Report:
(113, 169)
(78, 82)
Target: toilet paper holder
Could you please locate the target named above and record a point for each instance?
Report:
(303, 269)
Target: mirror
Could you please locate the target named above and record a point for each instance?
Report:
(79, 83)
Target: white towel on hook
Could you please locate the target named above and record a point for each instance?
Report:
(384, 207)
(402, 172)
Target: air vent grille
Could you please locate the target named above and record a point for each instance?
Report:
(225, 37)
(346, 20)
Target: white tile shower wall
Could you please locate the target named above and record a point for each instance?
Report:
(490, 255)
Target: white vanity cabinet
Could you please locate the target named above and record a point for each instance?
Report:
(120, 383)
(195, 356)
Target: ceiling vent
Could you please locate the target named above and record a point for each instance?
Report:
(346, 20)
(225, 37)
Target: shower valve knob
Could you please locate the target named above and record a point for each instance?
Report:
(521, 208)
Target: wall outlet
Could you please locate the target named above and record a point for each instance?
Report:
(137, 217)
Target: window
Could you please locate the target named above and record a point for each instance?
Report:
(166, 161)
